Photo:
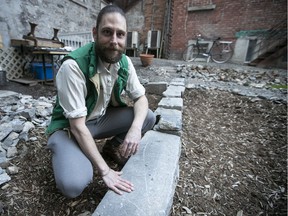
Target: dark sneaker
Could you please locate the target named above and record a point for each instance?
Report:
(111, 149)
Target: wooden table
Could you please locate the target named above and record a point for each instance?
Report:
(51, 53)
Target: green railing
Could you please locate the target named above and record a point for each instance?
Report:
(268, 41)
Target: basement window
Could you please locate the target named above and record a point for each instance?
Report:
(200, 5)
(251, 49)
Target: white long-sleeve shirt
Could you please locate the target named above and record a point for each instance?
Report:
(71, 87)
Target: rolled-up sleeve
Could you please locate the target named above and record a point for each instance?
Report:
(71, 88)
(134, 88)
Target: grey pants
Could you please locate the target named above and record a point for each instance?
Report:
(73, 171)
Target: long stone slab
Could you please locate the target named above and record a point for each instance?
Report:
(178, 82)
(170, 121)
(174, 91)
(171, 103)
(154, 172)
(4, 93)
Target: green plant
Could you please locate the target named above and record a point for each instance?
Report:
(279, 86)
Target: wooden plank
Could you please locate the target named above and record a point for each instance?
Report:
(44, 42)
(30, 82)
(51, 52)
(1, 42)
(51, 44)
(20, 42)
(38, 42)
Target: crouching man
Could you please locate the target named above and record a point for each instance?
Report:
(89, 106)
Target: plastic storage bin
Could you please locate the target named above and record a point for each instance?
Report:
(37, 70)
(3, 79)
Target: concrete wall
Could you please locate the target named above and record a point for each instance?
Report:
(240, 50)
(135, 18)
(69, 16)
(146, 15)
(66, 15)
(136, 22)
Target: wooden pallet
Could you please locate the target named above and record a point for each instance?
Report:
(30, 82)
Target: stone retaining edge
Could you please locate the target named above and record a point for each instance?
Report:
(154, 171)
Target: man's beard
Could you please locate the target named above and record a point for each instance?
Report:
(103, 54)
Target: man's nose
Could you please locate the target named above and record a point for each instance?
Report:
(114, 38)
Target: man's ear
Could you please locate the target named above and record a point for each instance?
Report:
(94, 31)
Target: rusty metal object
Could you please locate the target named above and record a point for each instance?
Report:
(33, 27)
(55, 37)
(43, 42)
(1, 42)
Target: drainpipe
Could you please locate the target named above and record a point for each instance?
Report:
(152, 19)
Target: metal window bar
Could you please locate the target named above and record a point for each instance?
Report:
(76, 40)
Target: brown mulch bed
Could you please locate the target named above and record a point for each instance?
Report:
(234, 160)
(234, 156)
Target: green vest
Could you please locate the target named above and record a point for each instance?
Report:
(87, 60)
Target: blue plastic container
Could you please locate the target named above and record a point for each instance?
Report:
(37, 69)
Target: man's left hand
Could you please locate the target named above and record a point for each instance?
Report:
(131, 142)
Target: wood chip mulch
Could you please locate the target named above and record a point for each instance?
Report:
(233, 162)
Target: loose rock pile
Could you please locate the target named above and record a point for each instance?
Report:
(261, 83)
(19, 114)
(270, 84)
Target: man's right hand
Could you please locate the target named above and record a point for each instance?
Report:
(114, 181)
(111, 178)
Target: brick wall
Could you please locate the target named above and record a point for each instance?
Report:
(154, 14)
(228, 18)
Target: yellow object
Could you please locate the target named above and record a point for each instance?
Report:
(1, 42)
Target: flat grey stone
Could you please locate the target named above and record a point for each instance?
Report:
(2, 152)
(156, 87)
(170, 121)
(4, 177)
(11, 152)
(174, 91)
(5, 130)
(235, 88)
(5, 93)
(154, 172)
(178, 82)
(171, 103)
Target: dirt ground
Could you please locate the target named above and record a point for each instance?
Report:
(234, 156)
(233, 162)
